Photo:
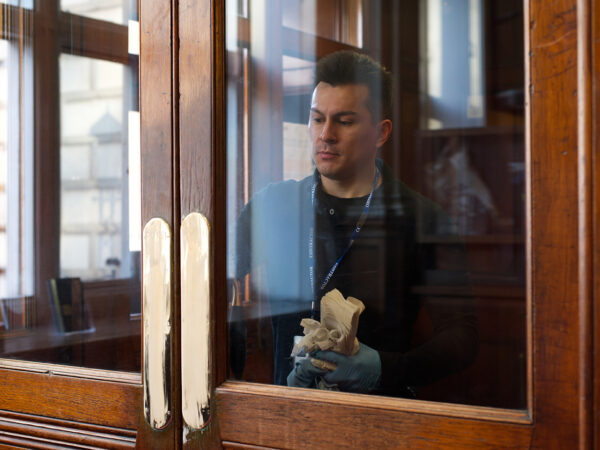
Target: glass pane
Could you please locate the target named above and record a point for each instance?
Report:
(117, 11)
(331, 19)
(397, 179)
(70, 276)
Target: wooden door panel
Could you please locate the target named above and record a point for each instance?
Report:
(51, 406)
(45, 408)
(158, 182)
(557, 348)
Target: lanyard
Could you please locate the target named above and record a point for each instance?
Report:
(311, 259)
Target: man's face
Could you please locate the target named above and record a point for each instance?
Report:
(343, 136)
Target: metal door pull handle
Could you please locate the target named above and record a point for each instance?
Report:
(156, 301)
(195, 321)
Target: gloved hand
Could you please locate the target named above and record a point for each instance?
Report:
(360, 372)
(304, 374)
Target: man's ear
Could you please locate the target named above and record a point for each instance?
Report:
(384, 131)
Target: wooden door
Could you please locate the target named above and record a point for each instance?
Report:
(75, 84)
(558, 242)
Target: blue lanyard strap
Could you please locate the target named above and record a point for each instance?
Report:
(311, 237)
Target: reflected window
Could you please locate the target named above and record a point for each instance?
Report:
(94, 158)
(17, 264)
(116, 11)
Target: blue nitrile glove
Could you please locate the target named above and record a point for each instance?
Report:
(357, 373)
(304, 374)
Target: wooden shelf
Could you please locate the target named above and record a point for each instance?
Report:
(475, 131)
(512, 292)
(489, 239)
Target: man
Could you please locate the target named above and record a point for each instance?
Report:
(354, 227)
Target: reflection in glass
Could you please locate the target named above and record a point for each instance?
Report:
(70, 274)
(116, 11)
(439, 262)
(16, 169)
(93, 169)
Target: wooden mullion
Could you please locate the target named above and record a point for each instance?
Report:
(93, 38)
(158, 172)
(552, 171)
(46, 157)
(12, 13)
(201, 68)
(585, 215)
(595, 120)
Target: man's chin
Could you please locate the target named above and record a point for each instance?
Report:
(327, 171)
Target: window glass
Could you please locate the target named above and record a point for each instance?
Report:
(3, 163)
(94, 167)
(376, 198)
(331, 19)
(117, 11)
(69, 186)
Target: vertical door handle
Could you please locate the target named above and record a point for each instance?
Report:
(156, 301)
(195, 321)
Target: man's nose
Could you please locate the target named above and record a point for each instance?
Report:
(328, 132)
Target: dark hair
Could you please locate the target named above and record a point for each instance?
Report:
(348, 67)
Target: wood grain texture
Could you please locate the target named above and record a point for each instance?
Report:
(595, 149)
(554, 222)
(284, 423)
(131, 378)
(158, 174)
(237, 445)
(557, 344)
(42, 433)
(336, 399)
(202, 142)
(220, 352)
(54, 422)
(90, 401)
(47, 155)
(585, 208)
(93, 38)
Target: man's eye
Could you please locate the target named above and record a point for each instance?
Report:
(346, 122)
(317, 120)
